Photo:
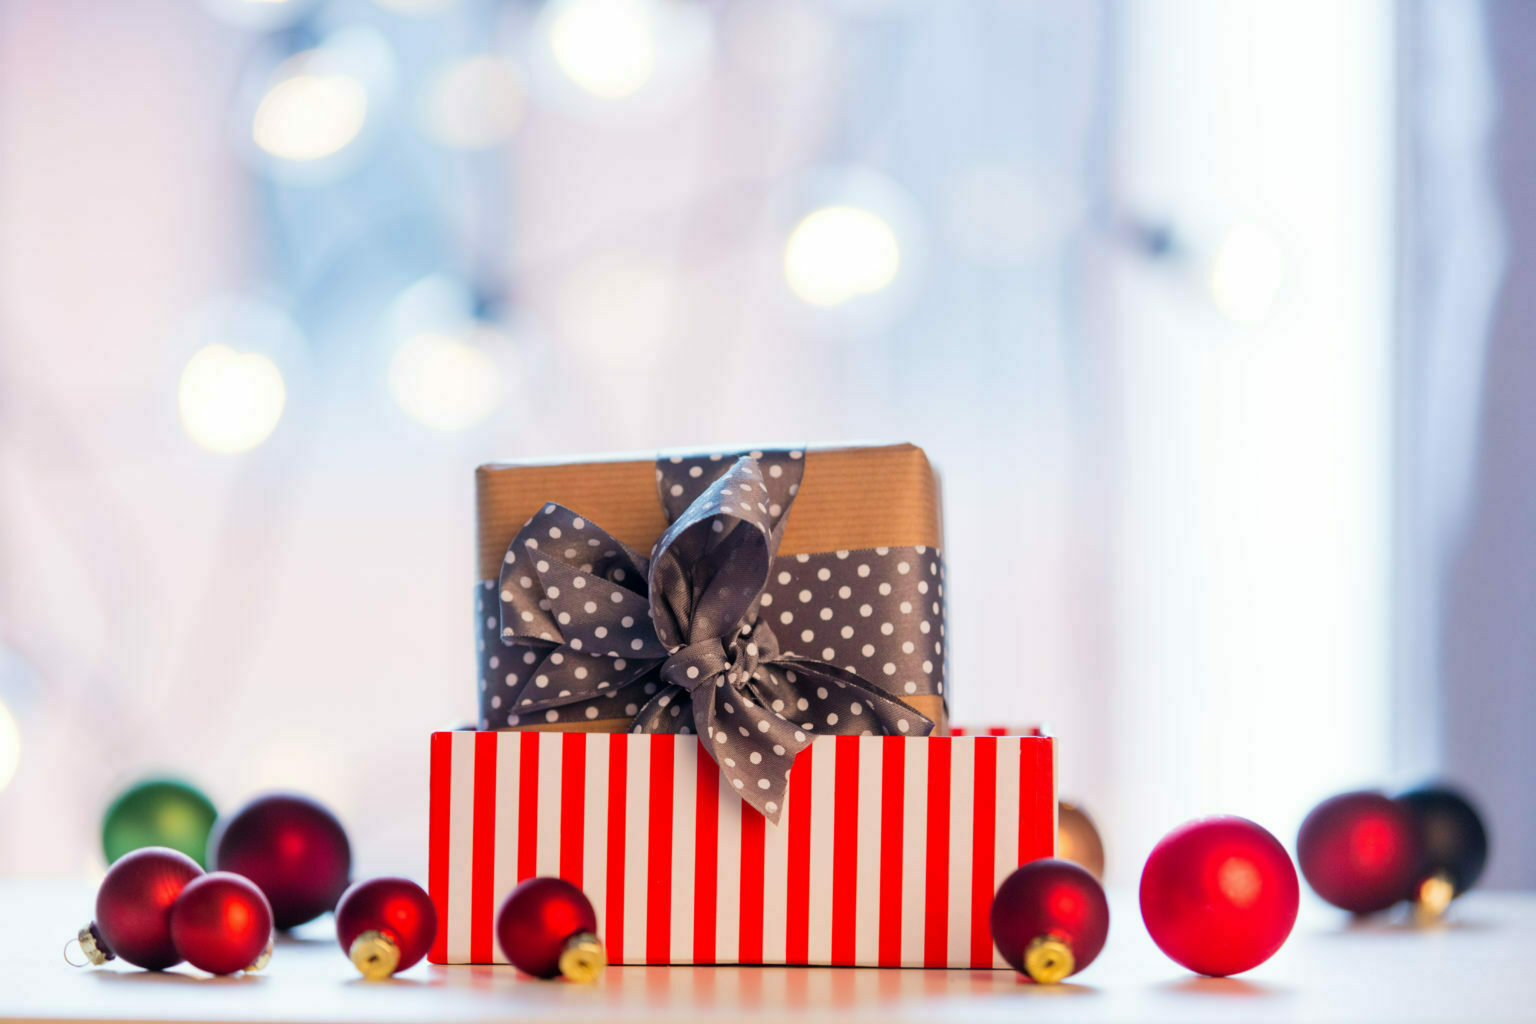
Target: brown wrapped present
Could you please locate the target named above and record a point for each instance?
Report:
(757, 598)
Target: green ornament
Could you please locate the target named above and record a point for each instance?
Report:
(158, 812)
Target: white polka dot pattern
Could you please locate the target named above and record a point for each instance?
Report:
(682, 641)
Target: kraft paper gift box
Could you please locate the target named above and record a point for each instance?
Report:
(770, 680)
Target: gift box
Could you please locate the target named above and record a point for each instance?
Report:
(887, 853)
(783, 594)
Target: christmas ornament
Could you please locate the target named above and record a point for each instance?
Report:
(1049, 919)
(1078, 840)
(385, 925)
(292, 848)
(158, 812)
(1219, 895)
(1454, 847)
(221, 923)
(547, 928)
(1359, 851)
(133, 909)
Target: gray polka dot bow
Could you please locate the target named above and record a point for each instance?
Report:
(682, 630)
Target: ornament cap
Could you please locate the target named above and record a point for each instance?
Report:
(1432, 897)
(92, 945)
(583, 958)
(375, 954)
(1048, 959)
(260, 963)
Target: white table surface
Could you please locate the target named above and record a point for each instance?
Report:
(1479, 966)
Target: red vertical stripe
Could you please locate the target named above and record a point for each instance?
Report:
(658, 899)
(752, 840)
(936, 903)
(1037, 798)
(482, 892)
(613, 915)
(845, 850)
(797, 911)
(441, 782)
(706, 858)
(892, 795)
(573, 800)
(527, 804)
(983, 851)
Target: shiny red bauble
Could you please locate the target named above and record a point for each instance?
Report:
(1050, 919)
(385, 925)
(221, 924)
(1219, 895)
(133, 905)
(292, 848)
(1359, 851)
(542, 925)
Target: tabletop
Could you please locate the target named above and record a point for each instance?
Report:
(1475, 966)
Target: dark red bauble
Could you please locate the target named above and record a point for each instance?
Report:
(1050, 919)
(133, 905)
(1358, 851)
(292, 848)
(538, 923)
(385, 925)
(1219, 895)
(221, 923)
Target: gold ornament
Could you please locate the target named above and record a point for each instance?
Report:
(1077, 840)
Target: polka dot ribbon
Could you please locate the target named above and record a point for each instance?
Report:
(682, 630)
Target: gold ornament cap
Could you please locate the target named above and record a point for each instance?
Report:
(1048, 959)
(583, 958)
(96, 952)
(374, 954)
(260, 963)
(1432, 898)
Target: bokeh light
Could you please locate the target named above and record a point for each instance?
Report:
(313, 116)
(608, 47)
(306, 116)
(446, 381)
(838, 253)
(473, 103)
(1247, 274)
(10, 746)
(230, 401)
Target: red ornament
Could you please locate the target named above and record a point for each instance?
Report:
(1050, 919)
(292, 848)
(547, 927)
(221, 924)
(133, 909)
(385, 925)
(1219, 895)
(1358, 851)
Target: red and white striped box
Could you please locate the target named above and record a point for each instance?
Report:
(887, 853)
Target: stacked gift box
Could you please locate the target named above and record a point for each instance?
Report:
(712, 695)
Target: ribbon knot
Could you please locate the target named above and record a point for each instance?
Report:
(682, 631)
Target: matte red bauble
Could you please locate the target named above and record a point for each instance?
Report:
(385, 925)
(547, 927)
(292, 848)
(221, 924)
(1050, 919)
(1358, 851)
(133, 908)
(1219, 895)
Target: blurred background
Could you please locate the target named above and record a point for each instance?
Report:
(1212, 316)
